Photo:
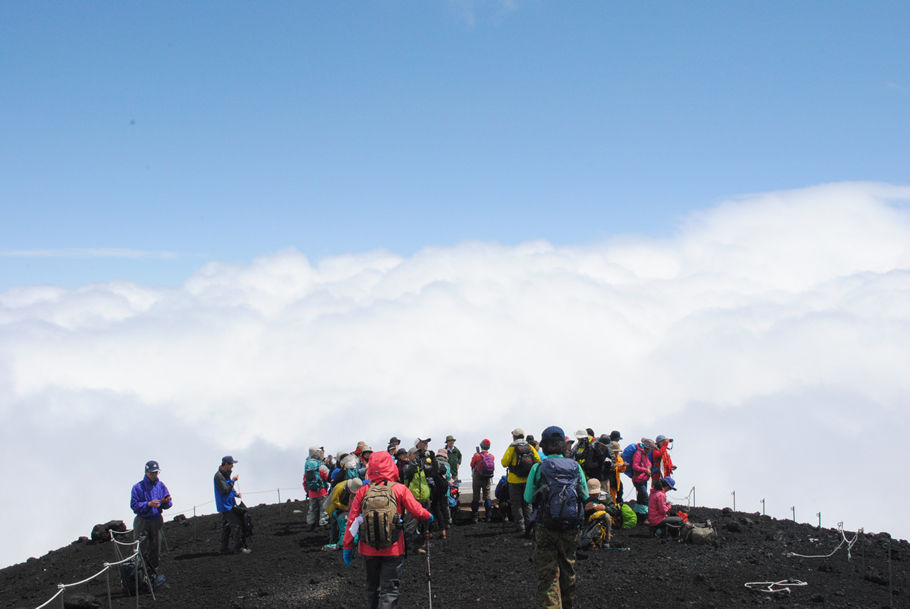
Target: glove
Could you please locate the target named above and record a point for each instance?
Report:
(431, 518)
(347, 556)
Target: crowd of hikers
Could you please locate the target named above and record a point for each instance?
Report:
(563, 491)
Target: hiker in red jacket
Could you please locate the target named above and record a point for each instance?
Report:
(661, 463)
(384, 565)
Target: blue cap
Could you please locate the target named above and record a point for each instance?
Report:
(670, 482)
(228, 459)
(152, 466)
(553, 433)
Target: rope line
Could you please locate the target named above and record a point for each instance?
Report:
(771, 587)
(50, 600)
(84, 581)
(849, 542)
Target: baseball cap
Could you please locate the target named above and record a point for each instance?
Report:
(152, 466)
(228, 459)
(670, 482)
(552, 433)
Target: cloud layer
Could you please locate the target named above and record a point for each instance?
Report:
(769, 336)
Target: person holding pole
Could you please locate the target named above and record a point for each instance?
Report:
(375, 518)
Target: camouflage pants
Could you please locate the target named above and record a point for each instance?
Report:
(554, 559)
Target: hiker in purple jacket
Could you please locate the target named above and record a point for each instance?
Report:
(148, 499)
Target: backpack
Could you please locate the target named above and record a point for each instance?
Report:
(627, 453)
(558, 500)
(629, 517)
(312, 481)
(486, 467)
(128, 579)
(698, 533)
(583, 451)
(524, 460)
(246, 519)
(454, 493)
(419, 486)
(381, 526)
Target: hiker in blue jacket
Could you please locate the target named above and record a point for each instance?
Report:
(226, 504)
(148, 499)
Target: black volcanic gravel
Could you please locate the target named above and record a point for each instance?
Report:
(486, 565)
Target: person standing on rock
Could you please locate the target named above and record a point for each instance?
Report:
(316, 483)
(375, 519)
(558, 489)
(149, 498)
(518, 458)
(232, 538)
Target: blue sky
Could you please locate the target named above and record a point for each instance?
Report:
(214, 131)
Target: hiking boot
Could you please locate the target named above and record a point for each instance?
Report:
(442, 534)
(330, 546)
(245, 551)
(474, 518)
(158, 581)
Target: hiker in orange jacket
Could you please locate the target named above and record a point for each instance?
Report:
(661, 463)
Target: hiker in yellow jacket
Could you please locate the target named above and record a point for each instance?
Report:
(519, 458)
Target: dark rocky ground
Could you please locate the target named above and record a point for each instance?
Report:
(486, 565)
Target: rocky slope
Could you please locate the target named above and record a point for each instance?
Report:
(487, 565)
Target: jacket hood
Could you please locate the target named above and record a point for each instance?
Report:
(315, 452)
(382, 467)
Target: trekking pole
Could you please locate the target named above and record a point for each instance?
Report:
(429, 573)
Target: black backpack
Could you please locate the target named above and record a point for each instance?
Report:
(523, 459)
(558, 501)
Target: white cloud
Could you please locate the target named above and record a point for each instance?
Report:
(772, 324)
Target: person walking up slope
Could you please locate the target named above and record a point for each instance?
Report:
(375, 518)
(316, 483)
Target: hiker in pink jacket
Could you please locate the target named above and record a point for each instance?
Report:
(641, 469)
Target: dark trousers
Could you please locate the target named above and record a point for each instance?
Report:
(521, 510)
(232, 531)
(383, 581)
(148, 531)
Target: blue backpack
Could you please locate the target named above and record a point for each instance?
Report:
(312, 481)
(559, 504)
(627, 454)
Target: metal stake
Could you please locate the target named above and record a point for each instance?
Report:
(762, 507)
(734, 500)
(793, 509)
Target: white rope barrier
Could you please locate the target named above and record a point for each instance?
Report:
(772, 587)
(849, 542)
(50, 600)
(84, 581)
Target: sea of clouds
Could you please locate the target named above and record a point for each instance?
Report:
(769, 336)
